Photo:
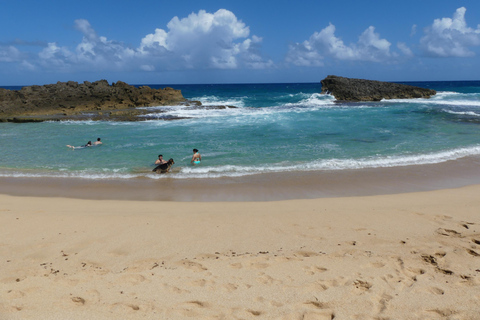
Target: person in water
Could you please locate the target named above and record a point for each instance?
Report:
(98, 142)
(197, 157)
(89, 144)
(160, 160)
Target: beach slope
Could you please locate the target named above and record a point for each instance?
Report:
(405, 256)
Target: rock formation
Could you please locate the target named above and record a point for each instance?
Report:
(347, 89)
(70, 100)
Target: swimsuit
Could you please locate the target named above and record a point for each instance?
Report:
(197, 160)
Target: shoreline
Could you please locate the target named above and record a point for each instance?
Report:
(259, 187)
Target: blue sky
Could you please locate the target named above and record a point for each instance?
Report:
(185, 42)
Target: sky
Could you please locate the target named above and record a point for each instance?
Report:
(215, 41)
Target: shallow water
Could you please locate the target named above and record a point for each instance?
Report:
(274, 128)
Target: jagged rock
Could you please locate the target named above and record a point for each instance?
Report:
(347, 89)
(71, 100)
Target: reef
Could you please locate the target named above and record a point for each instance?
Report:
(86, 101)
(348, 89)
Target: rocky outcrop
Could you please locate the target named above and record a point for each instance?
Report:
(347, 89)
(71, 100)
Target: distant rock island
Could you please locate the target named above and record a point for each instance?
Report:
(348, 89)
(90, 100)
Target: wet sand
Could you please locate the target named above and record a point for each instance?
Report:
(260, 187)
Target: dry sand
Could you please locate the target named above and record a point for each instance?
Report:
(404, 256)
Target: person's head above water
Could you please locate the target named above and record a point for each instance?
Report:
(195, 150)
(160, 156)
(98, 139)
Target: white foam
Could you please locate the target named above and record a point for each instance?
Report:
(467, 113)
(215, 101)
(205, 171)
(443, 98)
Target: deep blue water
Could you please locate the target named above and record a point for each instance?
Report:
(274, 128)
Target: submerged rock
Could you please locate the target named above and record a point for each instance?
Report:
(348, 89)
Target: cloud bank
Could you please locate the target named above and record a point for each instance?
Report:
(220, 40)
(199, 41)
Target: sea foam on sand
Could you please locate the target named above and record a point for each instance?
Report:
(404, 256)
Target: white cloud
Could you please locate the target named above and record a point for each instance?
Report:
(413, 31)
(405, 49)
(202, 40)
(56, 57)
(450, 37)
(323, 44)
(9, 54)
(205, 40)
(93, 51)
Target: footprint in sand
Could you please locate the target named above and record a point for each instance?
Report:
(15, 294)
(311, 270)
(325, 315)
(255, 312)
(190, 309)
(230, 287)
(362, 285)
(191, 265)
(174, 289)
(306, 254)
(236, 265)
(79, 301)
(197, 303)
(322, 285)
(8, 309)
(125, 307)
(445, 313)
(132, 279)
(266, 279)
(382, 302)
(448, 233)
(377, 264)
(199, 283)
(317, 304)
(436, 290)
(473, 253)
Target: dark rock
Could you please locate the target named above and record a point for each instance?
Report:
(70, 100)
(347, 89)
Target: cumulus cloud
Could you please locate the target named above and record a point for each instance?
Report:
(205, 40)
(202, 40)
(323, 44)
(450, 37)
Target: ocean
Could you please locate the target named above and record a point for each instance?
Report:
(273, 128)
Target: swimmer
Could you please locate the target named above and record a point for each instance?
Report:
(98, 142)
(197, 157)
(160, 160)
(89, 144)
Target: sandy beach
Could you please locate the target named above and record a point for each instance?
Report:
(401, 256)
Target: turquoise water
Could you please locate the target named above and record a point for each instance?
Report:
(274, 128)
